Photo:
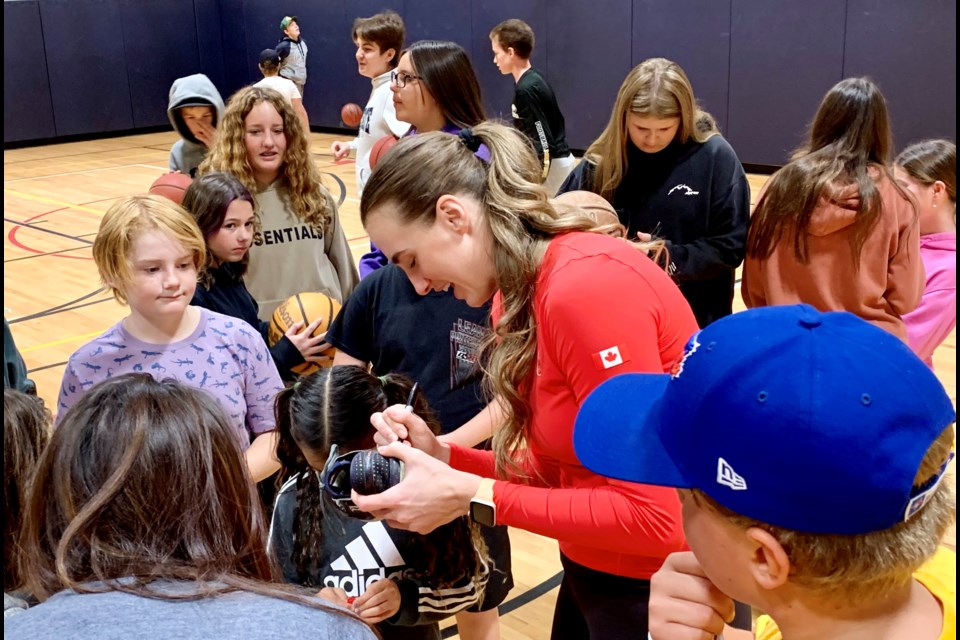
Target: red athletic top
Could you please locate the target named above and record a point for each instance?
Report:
(602, 309)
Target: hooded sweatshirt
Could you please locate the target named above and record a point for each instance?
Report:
(889, 282)
(930, 323)
(293, 53)
(187, 153)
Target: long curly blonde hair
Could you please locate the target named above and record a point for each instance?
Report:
(300, 177)
(522, 222)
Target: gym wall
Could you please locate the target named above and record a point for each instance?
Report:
(83, 67)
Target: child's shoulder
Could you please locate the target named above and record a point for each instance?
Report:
(223, 325)
(111, 341)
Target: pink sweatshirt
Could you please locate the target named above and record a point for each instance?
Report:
(929, 324)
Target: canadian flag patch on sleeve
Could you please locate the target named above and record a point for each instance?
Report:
(611, 357)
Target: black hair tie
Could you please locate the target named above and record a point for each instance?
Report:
(469, 140)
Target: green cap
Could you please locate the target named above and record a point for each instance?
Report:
(286, 22)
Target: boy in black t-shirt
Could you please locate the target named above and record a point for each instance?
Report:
(535, 110)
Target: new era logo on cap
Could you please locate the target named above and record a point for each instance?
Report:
(611, 357)
(810, 384)
(728, 477)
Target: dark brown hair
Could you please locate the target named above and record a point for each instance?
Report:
(207, 199)
(444, 69)
(143, 481)
(385, 30)
(514, 34)
(850, 143)
(26, 430)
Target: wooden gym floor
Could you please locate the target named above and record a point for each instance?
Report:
(54, 197)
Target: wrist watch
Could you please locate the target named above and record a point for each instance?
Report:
(483, 512)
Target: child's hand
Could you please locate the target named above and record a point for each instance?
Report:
(684, 603)
(380, 601)
(205, 133)
(340, 150)
(336, 596)
(311, 347)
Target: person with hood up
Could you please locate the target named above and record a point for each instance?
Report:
(194, 111)
(832, 228)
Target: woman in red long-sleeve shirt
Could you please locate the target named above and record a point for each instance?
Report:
(574, 307)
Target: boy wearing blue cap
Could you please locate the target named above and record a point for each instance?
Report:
(809, 450)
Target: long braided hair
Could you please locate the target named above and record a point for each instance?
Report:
(333, 407)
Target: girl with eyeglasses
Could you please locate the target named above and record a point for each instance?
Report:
(434, 89)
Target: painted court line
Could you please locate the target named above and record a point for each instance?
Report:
(59, 203)
(85, 336)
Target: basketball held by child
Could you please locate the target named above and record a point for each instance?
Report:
(304, 307)
(380, 148)
(171, 186)
(351, 114)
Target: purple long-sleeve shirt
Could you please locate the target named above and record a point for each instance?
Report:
(224, 356)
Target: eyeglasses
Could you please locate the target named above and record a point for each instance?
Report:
(402, 78)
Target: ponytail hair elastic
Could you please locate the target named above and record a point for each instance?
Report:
(469, 140)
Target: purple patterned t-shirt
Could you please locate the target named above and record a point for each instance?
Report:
(224, 356)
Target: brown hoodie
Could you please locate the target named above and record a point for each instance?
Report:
(891, 277)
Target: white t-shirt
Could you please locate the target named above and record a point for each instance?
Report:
(379, 119)
(284, 87)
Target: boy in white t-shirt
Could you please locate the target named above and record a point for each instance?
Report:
(270, 68)
(379, 40)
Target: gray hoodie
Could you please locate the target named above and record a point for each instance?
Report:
(187, 153)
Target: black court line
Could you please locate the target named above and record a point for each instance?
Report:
(513, 604)
(343, 187)
(50, 231)
(48, 253)
(68, 155)
(66, 306)
(47, 366)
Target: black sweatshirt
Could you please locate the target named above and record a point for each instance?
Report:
(695, 196)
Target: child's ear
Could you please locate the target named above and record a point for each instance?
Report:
(391, 53)
(770, 566)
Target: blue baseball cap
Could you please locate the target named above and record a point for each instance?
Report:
(815, 422)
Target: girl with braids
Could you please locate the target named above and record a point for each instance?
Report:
(302, 246)
(434, 89)
(928, 170)
(832, 228)
(225, 212)
(142, 522)
(414, 580)
(668, 172)
(562, 325)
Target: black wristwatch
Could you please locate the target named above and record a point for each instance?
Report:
(483, 512)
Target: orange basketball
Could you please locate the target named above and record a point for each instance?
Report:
(590, 203)
(305, 308)
(351, 114)
(171, 186)
(380, 147)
